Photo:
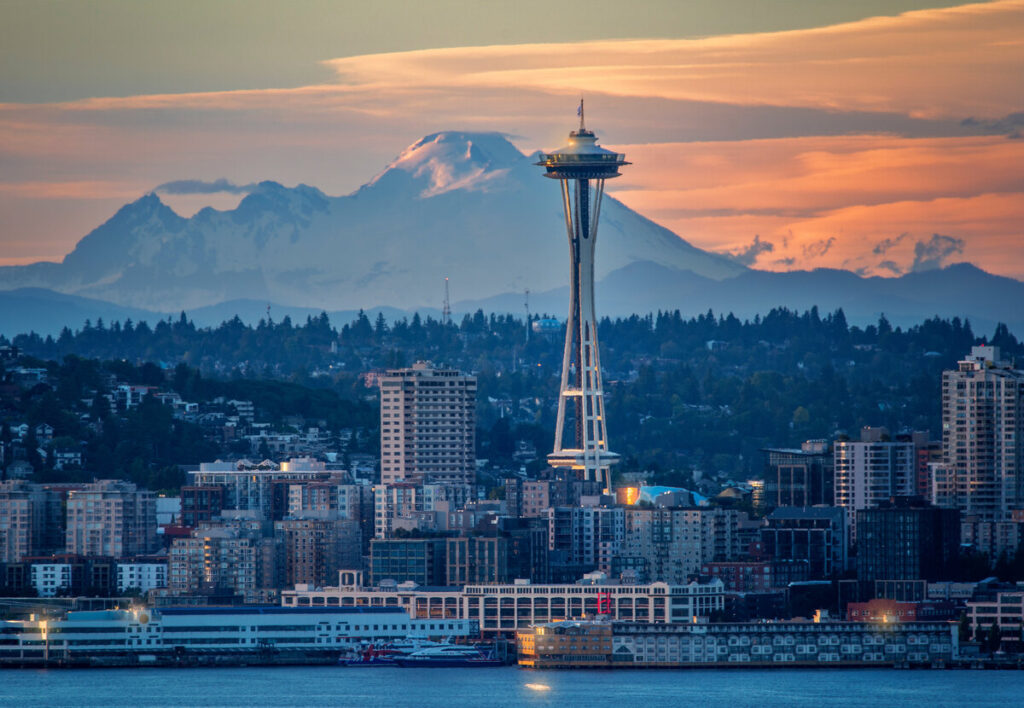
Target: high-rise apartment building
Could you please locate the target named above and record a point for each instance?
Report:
(798, 477)
(248, 486)
(200, 503)
(316, 545)
(404, 500)
(816, 535)
(420, 560)
(872, 471)
(427, 425)
(350, 501)
(110, 518)
(533, 498)
(907, 539)
(28, 514)
(220, 559)
(982, 437)
(585, 537)
(672, 544)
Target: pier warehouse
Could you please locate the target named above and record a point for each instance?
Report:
(642, 645)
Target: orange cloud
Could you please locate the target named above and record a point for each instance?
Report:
(858, 191)
(962, 61)
(819, 200)
(78, 189)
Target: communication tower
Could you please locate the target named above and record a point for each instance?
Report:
(581, 168)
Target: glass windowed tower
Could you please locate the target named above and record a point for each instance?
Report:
(581, 168)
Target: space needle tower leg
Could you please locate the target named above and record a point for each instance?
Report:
(582, 168)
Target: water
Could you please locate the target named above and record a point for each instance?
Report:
(329, 687)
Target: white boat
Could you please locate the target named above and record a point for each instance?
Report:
(449, 655)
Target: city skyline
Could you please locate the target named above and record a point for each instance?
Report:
(796, 139)
(758, 466)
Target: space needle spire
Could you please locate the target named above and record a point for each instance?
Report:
(581, 443)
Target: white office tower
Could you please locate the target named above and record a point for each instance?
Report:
(982, 437)
(581, 168)
(427, 426)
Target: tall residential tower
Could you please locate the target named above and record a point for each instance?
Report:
(427, 426)
(982, 437)
(581, 168)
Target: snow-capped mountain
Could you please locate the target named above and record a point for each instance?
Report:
(468, 206)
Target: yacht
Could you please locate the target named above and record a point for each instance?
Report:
(449, 655)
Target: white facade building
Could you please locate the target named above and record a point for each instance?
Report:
(141, 575)
(404, 500)
(501, 609)
(868, 473)
(173, 631)
(983, 436)
(428, 425)
(49, 579)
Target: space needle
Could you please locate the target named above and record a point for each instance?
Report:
(581, 168)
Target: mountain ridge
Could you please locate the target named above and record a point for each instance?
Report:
(959, 290)
(464, 205)
(467, 206)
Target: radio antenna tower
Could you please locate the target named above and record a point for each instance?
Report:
(526, 304)
(446, 311)
(581, 168)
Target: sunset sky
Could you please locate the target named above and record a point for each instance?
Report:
(879, 136)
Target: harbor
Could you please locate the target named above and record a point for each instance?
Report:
(361, 637)
(212, 636)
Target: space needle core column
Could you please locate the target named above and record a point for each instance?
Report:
(582, 167)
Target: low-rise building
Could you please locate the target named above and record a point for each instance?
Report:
(1006, 610)
(503, 609)
(885, 610)
(141, 574)
(757, 576)
(170, 632)
(69, 574)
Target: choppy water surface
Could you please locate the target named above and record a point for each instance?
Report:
(451, 688)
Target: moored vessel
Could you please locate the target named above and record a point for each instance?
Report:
(449, 656)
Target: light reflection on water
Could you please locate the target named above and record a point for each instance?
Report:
(327, 687)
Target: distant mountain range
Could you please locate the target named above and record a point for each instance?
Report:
(468, 206)
(960, 290)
